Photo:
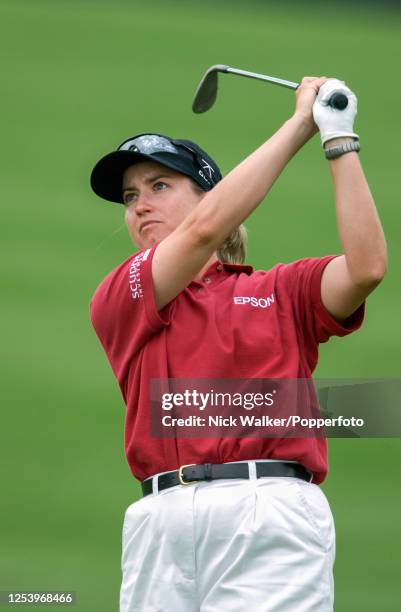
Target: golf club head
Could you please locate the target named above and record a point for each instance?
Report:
(206, 93)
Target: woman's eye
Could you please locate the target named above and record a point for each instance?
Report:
(159, 186)
(129, 197)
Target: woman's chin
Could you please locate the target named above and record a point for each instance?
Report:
(149, 242)
(148, 238)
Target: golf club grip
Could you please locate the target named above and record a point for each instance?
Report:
(338, 101)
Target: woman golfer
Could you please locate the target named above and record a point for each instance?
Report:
(244, 526)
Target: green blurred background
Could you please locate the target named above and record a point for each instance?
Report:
(79, 77)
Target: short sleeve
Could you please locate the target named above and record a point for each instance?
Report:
(303, 280)
(123, 310)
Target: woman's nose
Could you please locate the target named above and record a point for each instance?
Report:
(143, 204)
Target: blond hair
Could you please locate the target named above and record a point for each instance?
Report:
(233, 249)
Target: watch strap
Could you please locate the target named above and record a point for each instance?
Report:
(339, 150)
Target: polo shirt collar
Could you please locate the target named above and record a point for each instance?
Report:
(230, 267)
(238, 267)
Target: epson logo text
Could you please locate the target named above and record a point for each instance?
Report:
(255, 302)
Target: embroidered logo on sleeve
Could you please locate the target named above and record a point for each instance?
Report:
(135, 284)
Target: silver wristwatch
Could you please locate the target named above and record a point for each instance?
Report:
(339, 150)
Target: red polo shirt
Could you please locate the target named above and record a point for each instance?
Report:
(209, 331)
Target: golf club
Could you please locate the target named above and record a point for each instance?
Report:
(206, 93)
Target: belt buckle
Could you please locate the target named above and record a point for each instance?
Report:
(180, 474)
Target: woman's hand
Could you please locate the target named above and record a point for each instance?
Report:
(334, 123)
(305, 98)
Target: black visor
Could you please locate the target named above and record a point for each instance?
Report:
(181, 155)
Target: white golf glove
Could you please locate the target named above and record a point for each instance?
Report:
(334, 123)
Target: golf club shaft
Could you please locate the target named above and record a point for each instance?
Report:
(205, 95)
(262, 77)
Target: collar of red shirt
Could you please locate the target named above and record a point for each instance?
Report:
(231, 267)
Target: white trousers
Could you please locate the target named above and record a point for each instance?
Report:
(266, 545)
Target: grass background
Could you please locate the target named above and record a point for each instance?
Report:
(77, 78)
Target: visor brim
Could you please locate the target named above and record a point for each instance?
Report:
(107, 176)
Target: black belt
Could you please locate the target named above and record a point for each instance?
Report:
(188, 474)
